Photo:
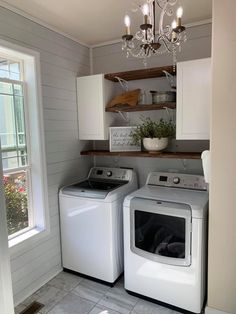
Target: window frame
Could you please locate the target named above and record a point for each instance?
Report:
(28, 167)
(34, 123)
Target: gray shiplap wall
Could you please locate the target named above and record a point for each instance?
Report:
(110, 58)
(62, 60)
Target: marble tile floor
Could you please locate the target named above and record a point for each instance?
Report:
(70, 294)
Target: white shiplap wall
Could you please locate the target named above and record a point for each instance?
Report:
(62, 60)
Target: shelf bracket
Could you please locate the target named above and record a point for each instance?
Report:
(170, 113)
(123, 116)
(171, 79)
(123, 83)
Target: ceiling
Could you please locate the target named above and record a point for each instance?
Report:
(95, 22)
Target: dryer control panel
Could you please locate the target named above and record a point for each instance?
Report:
(177, 180)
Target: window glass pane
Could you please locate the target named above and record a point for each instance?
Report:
(14, 70)
(7, 122)
(10, 69)
(14, 159)
(20, 121)
(18, 90)
(19, 114)
(9, 159)
(12, 126)
(14, 76)
(6, 88)
(22, 158)
(160, 234)
(15, 187)
(4, 71)
(21, 139)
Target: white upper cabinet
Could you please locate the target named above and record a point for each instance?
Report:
(193, 100)
(93, 93)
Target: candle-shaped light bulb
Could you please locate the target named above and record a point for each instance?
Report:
(145, 10)
(173, 34)
(127, 24)
(179, 14)
(127, 21)
(174, 24)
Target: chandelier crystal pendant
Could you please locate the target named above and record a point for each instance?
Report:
(146, 42)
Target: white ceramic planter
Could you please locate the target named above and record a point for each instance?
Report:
(155, 144)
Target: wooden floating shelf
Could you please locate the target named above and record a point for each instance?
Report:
(125, 108)
(140, 74)
(171, 155)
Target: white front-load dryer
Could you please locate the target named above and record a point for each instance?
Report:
(165, 225)
(91, 220)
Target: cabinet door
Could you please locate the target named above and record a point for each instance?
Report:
(91, 107)
(193, 99)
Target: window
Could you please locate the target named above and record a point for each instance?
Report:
(14, 148)
(22, 145)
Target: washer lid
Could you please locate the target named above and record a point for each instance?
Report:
(197, 200)
(92, 188)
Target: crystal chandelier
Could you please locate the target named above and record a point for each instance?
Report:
(146, 42)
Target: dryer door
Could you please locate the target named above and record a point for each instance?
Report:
(161, 231)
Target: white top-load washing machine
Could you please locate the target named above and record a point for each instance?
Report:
(92, 222)
(165, 227)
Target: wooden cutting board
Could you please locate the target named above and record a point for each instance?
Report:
(128, 98)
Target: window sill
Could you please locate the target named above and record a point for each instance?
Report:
(26, 240)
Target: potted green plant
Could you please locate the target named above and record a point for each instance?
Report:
(154, 135)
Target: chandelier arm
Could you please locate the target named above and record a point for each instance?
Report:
(168, 2)
(172, 2)
(165, 43)
(162, 18)
(158, 3)
(166, 38)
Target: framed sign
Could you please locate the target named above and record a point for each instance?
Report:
(121, 139)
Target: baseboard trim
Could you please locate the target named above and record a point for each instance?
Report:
(210, 310)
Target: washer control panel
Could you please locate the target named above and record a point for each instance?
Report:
(177, 180)
(106, 173)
